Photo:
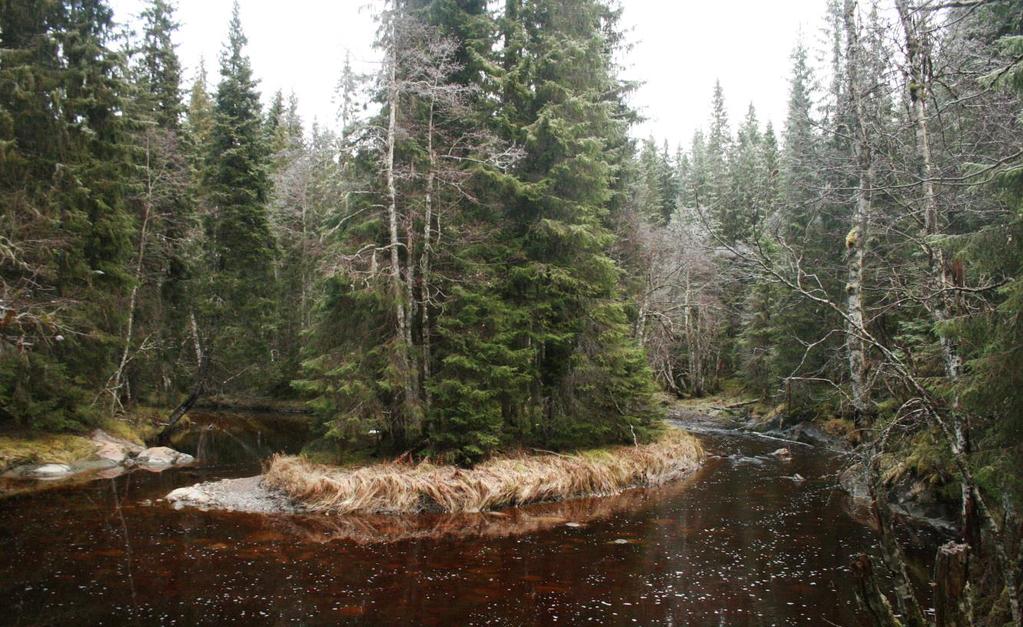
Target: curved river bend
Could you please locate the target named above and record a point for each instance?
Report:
(738, 544)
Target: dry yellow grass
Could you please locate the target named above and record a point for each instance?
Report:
(399, 489)
(33, 448)
(383, 528)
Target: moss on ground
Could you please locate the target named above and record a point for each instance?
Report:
(20, 447)
(17, 449)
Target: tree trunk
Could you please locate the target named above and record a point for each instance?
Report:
(871, 600)
(304, 300)
(424, 264)
(403, 349)
(952, 604)
(198, 389)
(856, 240)
(918, 57)
(179, 412)
(894, 557)
(118, 377)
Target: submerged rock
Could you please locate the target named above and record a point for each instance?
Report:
(742, 459)
(163, 456)
(810, 434)
(783, 454)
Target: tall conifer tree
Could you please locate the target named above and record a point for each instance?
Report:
(590, 382)
(64, 229)
(239, 296)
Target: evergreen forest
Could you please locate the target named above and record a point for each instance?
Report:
(480, 256)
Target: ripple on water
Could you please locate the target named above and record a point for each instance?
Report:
(736, 545)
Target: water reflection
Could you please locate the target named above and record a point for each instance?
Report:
(737, 545)
(375, 529)
(237, 438)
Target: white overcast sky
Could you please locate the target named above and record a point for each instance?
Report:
(681, 48)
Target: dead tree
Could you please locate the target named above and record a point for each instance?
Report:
(952, 602)
(856, 240)
(916, 31)
(403, 352)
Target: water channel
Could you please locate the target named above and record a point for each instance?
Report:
(739, 543)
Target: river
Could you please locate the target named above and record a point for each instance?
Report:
(740, 543)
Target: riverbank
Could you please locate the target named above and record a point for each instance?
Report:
(118, 438)
(393, 488)
(32, 460)
(916, 488)
(733, 411)
(19, 448)
(737, 534)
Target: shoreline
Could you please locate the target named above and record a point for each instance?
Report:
(31, 462)
(291, 484)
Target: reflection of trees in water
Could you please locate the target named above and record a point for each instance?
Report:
(234, 437)
(375, 529)
(127, 541)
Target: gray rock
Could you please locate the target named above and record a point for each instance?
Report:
(918, 502)
(854, 481)
(784, 454)
(113, 448)
(163, 456)
(90, 465)
(192, 496)
(50, 470)
(909, 498)
(237, 495)
(809, 434)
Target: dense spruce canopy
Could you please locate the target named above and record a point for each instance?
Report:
(489, 310)
(239, 278)
(65, 234)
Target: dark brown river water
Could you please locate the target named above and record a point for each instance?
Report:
(738, 544)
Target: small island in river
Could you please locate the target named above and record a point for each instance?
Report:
(292, 483)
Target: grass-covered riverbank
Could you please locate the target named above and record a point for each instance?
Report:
(500, 482)
(20, 447)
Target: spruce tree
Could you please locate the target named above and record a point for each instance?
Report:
(240, 246)
(994, 373)
(590, 382)
(162, 203)
(294, 216)
(745, 212)
(650, 185)
(667, 184)
(803, 220)
(64, 229)
(199, 122)
(160, 76)
(718, 198)
(696, 186)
